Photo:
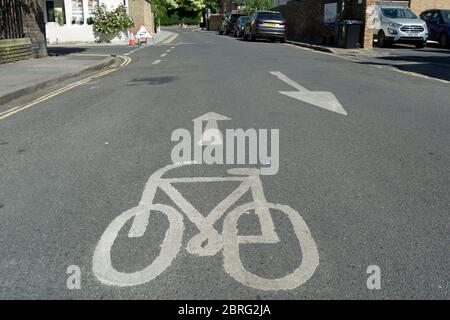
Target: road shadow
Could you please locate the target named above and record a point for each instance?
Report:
(63, 51)
(258, 40)
(431, 47)
(157, 80)
(437, 60)
(431, 66)
(427, 70)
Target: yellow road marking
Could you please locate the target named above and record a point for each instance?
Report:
(170, 38)
(12, 111)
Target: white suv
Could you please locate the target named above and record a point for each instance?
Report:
(399, 24)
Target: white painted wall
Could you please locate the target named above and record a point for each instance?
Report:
(71, 33)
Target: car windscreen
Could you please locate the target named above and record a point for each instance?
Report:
(269, 16)
(242, 20)
(234, 18)
(398, 13)
(446, 15)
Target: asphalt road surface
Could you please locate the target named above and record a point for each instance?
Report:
(364, 187)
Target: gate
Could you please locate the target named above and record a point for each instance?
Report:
(11, 25)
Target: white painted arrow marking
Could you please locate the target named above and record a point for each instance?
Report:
(321, 99)
(211, 135)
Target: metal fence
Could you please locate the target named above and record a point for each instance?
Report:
(11, 25)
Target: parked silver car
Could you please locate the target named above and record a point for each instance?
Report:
(396, 24)
(266, 24)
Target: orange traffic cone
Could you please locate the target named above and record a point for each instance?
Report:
(131, 37)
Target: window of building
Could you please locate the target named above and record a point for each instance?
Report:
(50, 6)
(91, 6)
(77, 12)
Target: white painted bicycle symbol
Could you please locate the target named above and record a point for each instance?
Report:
(208, 241)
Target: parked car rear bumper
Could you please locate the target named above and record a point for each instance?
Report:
(269, 33)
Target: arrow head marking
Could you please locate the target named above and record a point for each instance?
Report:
(211, 116)
(321, 99)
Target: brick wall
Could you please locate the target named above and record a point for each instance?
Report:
(226, 6)
(34, 26)
(15, 49)
(141, 12)
(353, 10)
(368, 26)
(304, 19)
(214, 22)
(418, 6)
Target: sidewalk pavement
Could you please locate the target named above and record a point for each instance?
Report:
(431, 61)
(160, 37)
(28, 76)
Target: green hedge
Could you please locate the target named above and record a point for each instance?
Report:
(175, 19)
(167, 21)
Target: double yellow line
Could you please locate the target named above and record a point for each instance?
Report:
(170, 38)
(126, 61)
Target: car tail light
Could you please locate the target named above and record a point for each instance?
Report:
(282, 23)
(259, 22)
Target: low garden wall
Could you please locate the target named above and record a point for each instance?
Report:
(15, 49)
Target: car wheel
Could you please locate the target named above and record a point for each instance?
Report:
(245, 36)
(283, 40)
(421, 45)
(381, 39)
(252, 37)
(220, 32)
(443, 41)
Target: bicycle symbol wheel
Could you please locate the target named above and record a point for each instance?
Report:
(232, 261)
(102, 265)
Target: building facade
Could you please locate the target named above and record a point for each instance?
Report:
(69, 20)
(315, 21)
(419, 6)
(226, 6)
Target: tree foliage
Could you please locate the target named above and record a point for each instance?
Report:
(213, 5)
(176, 11)
(164, 6)
(188, 5)
(252, 5)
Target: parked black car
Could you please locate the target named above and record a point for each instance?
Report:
(438, 22)
(227, 24)
(266, 24)
(239, 26)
